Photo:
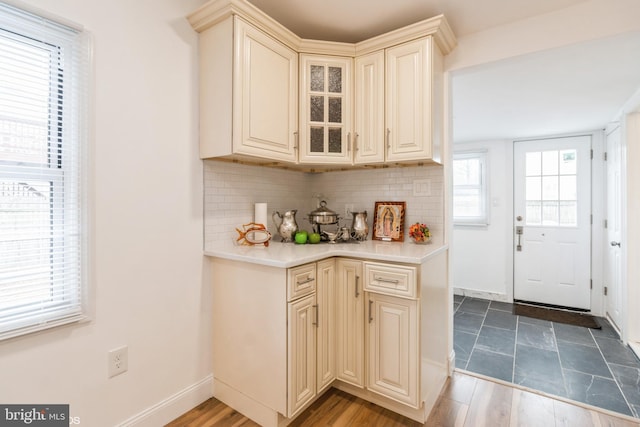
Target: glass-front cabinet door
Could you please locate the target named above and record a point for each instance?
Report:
(325, 109)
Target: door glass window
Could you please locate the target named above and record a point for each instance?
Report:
(326, 110)
(551, 188)
(317, 78)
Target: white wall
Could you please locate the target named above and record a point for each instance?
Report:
(482, 261)
(148, 277)
(588, 20)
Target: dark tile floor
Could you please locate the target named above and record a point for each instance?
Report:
(587, 365)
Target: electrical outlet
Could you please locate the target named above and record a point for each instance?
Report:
(348, 208)
(118, 361)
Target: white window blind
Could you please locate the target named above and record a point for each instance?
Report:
(470, 205)
(43, 92)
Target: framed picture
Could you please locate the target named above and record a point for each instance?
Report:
(388, 221)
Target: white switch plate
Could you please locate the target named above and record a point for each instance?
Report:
(348, 208)
(421, 187)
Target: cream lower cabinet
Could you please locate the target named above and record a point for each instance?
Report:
(326, 324)
(311, 332)
(282, 336)
(349, 304)
(392, 331)
(302, 323)
(392, 356)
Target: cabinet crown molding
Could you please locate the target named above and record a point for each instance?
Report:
(215, 11)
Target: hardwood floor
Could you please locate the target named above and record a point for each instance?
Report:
(466, 401)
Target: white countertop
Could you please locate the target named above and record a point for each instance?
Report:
(287, 255)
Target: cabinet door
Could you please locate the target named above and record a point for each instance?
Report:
(325, 109)
(326, 332)
(302, 352)
(408, 101)
(265, 107)
(369, 144)
(393, 348)
(349, 322)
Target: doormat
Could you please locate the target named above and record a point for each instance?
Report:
(553, 315)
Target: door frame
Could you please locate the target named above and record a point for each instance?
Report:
(629, 118)
(598, 212)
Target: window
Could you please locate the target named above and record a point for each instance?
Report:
(552, 188)
(43, 72)
(470, 189)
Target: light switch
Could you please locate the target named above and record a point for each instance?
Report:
(421, 187)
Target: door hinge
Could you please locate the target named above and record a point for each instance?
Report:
(605, 291)
(606, 224)
(605, 156)
(591, 154)
(591, 218)
(591, 284)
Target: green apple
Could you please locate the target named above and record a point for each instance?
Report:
(314, 238)
(301, 237)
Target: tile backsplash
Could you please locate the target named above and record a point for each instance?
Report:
(231, 189)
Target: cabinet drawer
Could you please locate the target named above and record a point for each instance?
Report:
(301, 281)
(391, 279)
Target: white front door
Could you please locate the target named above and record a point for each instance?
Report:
(552, 221)
(613, 254)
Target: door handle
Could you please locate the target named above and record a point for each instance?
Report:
(357, 280)
(519, 231)
(615, 244)
(317, 310)
(370, 313)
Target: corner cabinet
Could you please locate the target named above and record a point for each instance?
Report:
(283, 336)
(399, 104)
(340, 104)
(325, 109)
(248, 93)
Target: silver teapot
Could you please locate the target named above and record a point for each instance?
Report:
(359, 227)
(288, 227)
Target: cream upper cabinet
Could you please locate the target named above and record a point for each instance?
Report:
(369, 142)
(398, 107)
(325, 109)
(266, 93)
(248, 93)
(414, 97)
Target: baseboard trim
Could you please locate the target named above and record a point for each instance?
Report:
(492, 296)
(172, 407)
